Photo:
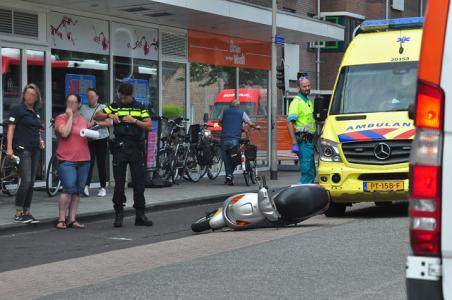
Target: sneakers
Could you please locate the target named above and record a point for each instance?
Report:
(23, 219)
(33, 219)
(102, 192)
(86, 191)
(228, 180)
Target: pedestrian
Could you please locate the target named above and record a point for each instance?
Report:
(25, 141)
(301, 126)
(131, 120)
(232, 120)
(98, 148)
(73, 160)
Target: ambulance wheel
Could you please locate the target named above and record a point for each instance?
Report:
(335, 210)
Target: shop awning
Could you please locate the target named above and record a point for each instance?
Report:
(233, 18)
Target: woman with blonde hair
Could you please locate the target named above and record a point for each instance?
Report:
(24, 140)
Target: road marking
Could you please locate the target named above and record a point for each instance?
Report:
(59, 276)
(120, 239)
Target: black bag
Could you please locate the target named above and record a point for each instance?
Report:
(204, 154)
(251, 152)
(235, 155)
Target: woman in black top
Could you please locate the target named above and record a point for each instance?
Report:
(24, 140)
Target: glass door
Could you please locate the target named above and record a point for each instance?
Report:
(20, 66)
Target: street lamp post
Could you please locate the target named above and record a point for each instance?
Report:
(273, 149)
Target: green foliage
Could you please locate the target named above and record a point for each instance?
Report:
(172, 111)
(209, 74)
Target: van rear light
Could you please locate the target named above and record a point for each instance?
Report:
(425, 208)
(423, 205)
(425, 242)
(429, 109)
(425, 171)
(426, 147)
(423, 223)
(425, 181)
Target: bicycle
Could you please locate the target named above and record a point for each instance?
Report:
(248, 157)
(53, 181)
(185, 161)
(209, 153)
(170, 129)
(9, 173)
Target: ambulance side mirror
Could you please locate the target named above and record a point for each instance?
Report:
(321, 105)
(412, 111)
(205, 117)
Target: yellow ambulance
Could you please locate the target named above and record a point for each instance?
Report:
(366, 139)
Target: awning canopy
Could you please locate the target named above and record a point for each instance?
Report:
(214, 16)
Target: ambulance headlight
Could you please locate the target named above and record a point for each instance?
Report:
(329, 151)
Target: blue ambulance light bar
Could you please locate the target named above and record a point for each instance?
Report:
(392, 24)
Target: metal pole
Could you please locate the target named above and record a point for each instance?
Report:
(273, 149)
(317, 83)
(387, 10)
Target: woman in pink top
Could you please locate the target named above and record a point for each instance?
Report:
(74, 160)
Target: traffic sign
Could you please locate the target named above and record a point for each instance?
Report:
(279, 40)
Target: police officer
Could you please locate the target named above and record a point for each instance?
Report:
(130, 122)
(301, 126)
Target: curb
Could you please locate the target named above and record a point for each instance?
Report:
(109, 214)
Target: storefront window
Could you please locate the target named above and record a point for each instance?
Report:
(142, 74)
(173, 89)
(253, 95)
(11, 79)
(75, 72)
(211, 90)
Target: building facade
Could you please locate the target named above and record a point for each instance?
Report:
(184, 57)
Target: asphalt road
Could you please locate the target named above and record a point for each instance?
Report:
(359, 256)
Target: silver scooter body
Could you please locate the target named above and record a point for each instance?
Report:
(250, 210)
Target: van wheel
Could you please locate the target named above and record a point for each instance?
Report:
(335, 210)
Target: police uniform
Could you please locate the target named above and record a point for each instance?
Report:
(128, 148)
(301, 111)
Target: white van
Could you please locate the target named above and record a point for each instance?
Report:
(429, 268)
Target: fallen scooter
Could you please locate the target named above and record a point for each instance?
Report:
(289, 206)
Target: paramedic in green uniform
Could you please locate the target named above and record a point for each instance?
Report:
(302, 127)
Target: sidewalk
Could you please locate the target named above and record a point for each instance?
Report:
(45, 208)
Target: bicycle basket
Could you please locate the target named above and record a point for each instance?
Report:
(194, 131)
(251, 152)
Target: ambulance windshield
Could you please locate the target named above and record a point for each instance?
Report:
(375, 88)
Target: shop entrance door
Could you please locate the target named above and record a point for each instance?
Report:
(21, 65)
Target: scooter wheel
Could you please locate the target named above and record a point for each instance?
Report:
(201, 225)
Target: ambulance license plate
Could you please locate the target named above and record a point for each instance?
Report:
(383, 186)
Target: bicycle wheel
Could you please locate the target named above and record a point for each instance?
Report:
(10, 177)
(252, 170)
(217, 163)
(193, 170)
(175, 165)
(165, 158)
(53, 181)
(246, 175)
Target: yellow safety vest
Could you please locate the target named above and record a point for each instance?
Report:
(302, 112)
